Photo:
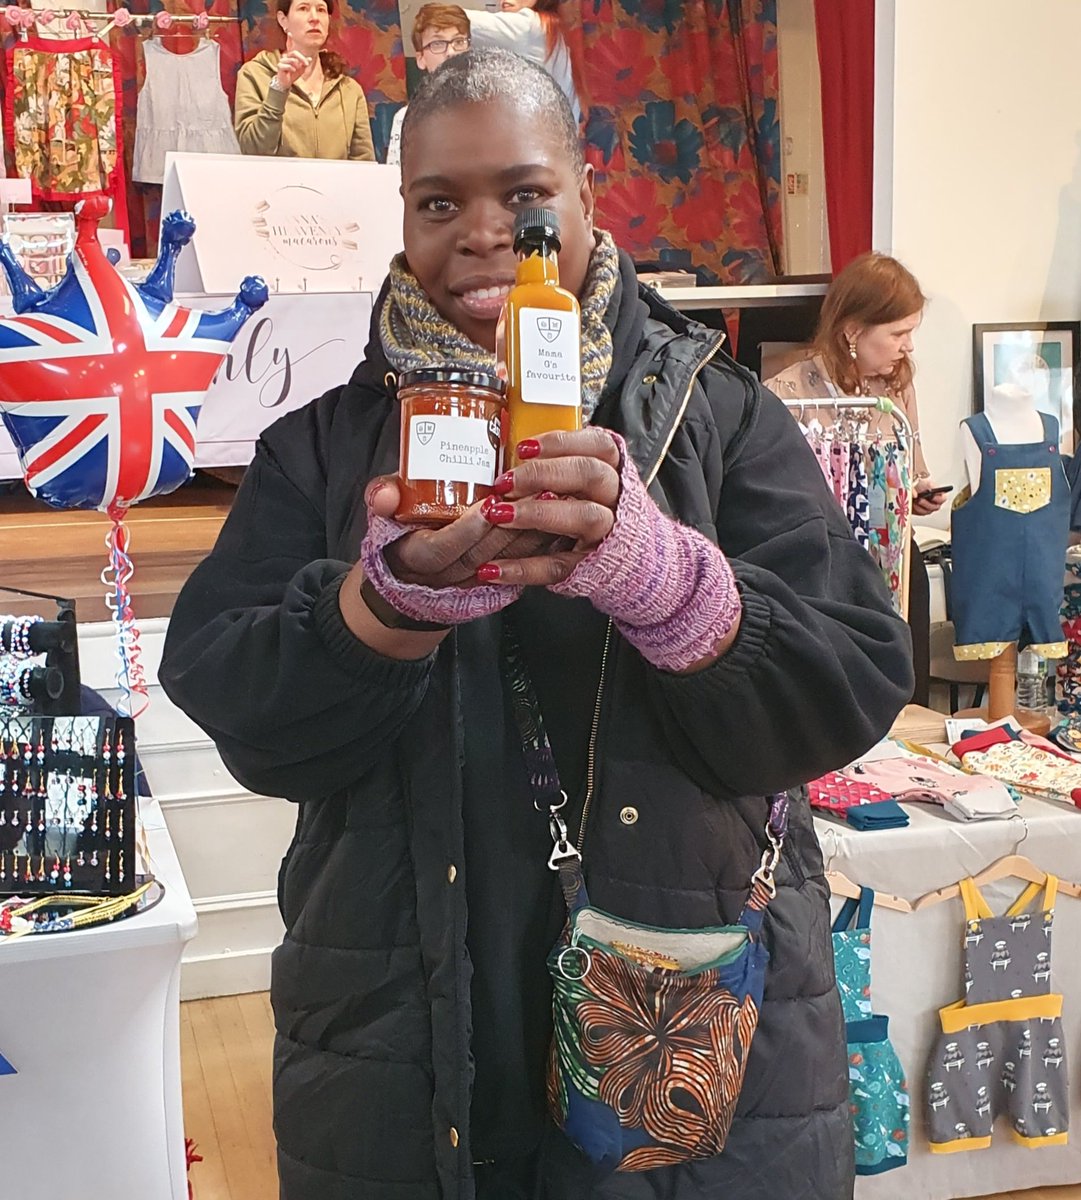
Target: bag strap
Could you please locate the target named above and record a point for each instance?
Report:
(548, 796)
(863, 904)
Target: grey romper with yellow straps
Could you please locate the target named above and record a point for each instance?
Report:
(1001, 1050)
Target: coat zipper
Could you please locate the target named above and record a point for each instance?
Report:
(591, 762)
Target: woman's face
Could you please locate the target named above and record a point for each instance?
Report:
(516, 5)
(467, 172)
(879, 348)
(306, 25)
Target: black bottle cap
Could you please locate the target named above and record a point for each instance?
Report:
(536, 225)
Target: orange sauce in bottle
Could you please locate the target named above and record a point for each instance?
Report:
(538, 339)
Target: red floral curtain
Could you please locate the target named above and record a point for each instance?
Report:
(682, 130)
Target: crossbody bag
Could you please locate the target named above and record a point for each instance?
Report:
(652, 1026)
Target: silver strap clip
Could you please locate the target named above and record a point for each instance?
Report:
(562, 850)
(771, 856)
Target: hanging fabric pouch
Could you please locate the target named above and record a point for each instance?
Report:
(652, 1027)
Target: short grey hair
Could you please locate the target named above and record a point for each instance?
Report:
(484, 76)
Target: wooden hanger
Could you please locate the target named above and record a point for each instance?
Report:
(841, 885)
(1011, 865)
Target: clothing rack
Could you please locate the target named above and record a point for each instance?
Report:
(905, 439)
(33, 16)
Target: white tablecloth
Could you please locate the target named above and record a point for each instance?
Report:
(917, 968)
(90, 1020)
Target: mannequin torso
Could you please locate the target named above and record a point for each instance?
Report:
(1014, 418)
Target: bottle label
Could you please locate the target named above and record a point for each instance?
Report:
(551, 356)
(453, 449)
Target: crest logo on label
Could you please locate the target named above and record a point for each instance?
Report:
(425, 431)
(549, 327)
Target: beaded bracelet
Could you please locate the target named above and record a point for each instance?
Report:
(15, 635)
(14, 682)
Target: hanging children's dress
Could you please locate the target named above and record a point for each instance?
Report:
(181, 107)
(1001, 1050)
(61, 116)
(1009, 544)
(877, 1092)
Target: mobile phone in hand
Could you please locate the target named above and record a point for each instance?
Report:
(941, 491)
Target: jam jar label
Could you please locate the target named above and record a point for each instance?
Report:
(551, 356)
(452, 449)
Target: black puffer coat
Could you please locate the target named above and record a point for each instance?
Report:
(371, 987)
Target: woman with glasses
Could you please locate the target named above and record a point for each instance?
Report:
(300, 103)
(531, 28)
(440, 31)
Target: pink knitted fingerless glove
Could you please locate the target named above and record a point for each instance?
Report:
(669, 590)
(441, 606)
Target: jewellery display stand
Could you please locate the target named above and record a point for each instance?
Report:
(67, 805)
(67, 782)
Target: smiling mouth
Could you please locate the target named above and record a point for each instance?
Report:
(484, 303)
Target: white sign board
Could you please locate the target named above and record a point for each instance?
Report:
(304, 224)
(291, 351)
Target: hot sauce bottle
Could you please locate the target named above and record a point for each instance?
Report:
(538, 339)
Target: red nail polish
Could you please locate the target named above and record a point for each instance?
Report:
(546, 495)
(530, 448)
(500, 514)
(489, 572)
(504, 483)
(372, 492)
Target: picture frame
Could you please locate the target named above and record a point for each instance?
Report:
(1042, 356)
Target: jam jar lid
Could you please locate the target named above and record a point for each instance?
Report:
(423, 375)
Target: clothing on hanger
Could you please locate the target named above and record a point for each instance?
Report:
(1009, 543)
(877, 1091)
(839, 457)
(858, 496)
(1001, 1050)
(61, 118)
(181, 107)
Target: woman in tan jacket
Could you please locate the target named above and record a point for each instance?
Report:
(300, 103)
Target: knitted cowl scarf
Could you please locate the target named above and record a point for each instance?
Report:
(415, 335)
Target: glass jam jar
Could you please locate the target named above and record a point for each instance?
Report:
(451, 442)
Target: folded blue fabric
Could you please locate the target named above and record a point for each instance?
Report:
(882, 814)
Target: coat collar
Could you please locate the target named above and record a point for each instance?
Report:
(657, 356)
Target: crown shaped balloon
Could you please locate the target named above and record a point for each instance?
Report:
(102, 381)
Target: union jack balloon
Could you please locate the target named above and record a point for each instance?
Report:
(102, 380)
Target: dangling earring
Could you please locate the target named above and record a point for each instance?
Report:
(852, 348)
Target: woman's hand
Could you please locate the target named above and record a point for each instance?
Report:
(562, 499)
(450, 556)
(291, 66)
(923, 505)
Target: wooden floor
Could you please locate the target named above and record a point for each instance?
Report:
(226, 1046)
(62, 552)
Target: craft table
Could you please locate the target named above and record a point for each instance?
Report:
(90, 1020)
(917, 969)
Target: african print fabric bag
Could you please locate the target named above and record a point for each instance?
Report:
(652, 1027)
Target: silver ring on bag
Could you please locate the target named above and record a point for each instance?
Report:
(587, 963)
